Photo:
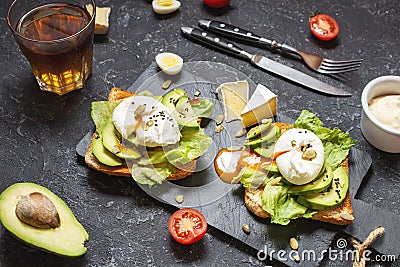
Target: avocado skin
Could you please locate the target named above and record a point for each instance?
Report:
(269, 137)
(258, 130)
(330, 199)
(111, 140)
(102, 154)
(321, 184)
(66, 240)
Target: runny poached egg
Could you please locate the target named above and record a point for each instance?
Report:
(299, 155)
(146, 121)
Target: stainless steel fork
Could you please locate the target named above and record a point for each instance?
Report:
(314, 61)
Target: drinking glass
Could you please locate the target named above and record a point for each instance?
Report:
(57, 39)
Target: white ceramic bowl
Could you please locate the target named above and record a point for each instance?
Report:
(378, 134)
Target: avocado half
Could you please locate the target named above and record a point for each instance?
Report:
(67, 239)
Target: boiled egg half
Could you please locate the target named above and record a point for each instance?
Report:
(165, 6)
(299, 155)
(146, 121)
(169, 63)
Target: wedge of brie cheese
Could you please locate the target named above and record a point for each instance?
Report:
(261, 105)
(299, 155)
(234, 97)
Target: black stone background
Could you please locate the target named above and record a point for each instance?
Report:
(39, 131)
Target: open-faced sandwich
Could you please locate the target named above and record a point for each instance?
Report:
(301, 171)
(158, 136)
(289, 171)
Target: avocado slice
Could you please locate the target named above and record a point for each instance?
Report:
(259, 129)
(171, 98)
(319, 185)
(178, 102)
(331, 198)
(67, 239)
(102, 154)
(269, 137)
(266, 152)
(271, 167)
(113, 144)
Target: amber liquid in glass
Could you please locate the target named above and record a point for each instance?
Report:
(64, 60)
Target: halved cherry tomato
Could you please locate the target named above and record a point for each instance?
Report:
(216, 3)
(187, 226)
(324, 27)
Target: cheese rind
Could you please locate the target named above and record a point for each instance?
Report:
(261, 105)
(234, 97)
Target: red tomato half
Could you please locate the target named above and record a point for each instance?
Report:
(187, 226)
(216, 3)
(324, 27)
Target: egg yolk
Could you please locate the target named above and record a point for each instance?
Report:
(164, 2)
(170, 61)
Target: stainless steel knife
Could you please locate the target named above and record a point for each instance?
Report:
(263, 62)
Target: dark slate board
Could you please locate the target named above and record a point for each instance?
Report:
(229, 213)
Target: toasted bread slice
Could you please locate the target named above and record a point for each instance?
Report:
(341, 215)
(180, 172)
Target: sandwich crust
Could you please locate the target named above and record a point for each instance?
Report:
(341, 215)
(181, 170)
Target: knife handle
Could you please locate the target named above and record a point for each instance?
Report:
(239, 33)
(216, 41)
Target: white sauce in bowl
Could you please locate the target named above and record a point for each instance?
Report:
(386, 109)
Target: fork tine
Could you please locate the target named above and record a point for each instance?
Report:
(337, 70)
(329, 68)
(342, 61)
(347, 64)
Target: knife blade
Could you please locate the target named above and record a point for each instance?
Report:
(263, 62)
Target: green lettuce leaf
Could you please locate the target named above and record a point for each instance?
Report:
(193, 144)
(280, 205)
(336, 143)
(101, 113)
(250, 177)
(150, 175)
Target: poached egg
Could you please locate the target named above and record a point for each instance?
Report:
(146, 121)
(299, 155)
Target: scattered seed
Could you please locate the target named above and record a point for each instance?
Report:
(179, 198)
(115, 149)
(309, 155)
(246, 228)
(240, 133)
(197, 93)
(296, 258)
(140, 110)
(264, 121)
(347, 217)
(166, 84)
(219, 128)
(219, 119)
(293, 243)
(293, 143)
(275, 181)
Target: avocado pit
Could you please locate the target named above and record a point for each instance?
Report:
(38, 211)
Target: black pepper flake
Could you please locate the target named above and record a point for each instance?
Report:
(300, 132)
(337, 201)
(163, 118)
(97, 137)
(305, 131)
(155, 124)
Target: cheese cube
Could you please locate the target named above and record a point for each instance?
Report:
(261, 105)
(234, 97)
(101, 19)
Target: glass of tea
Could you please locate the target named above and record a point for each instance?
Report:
(57, 39)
